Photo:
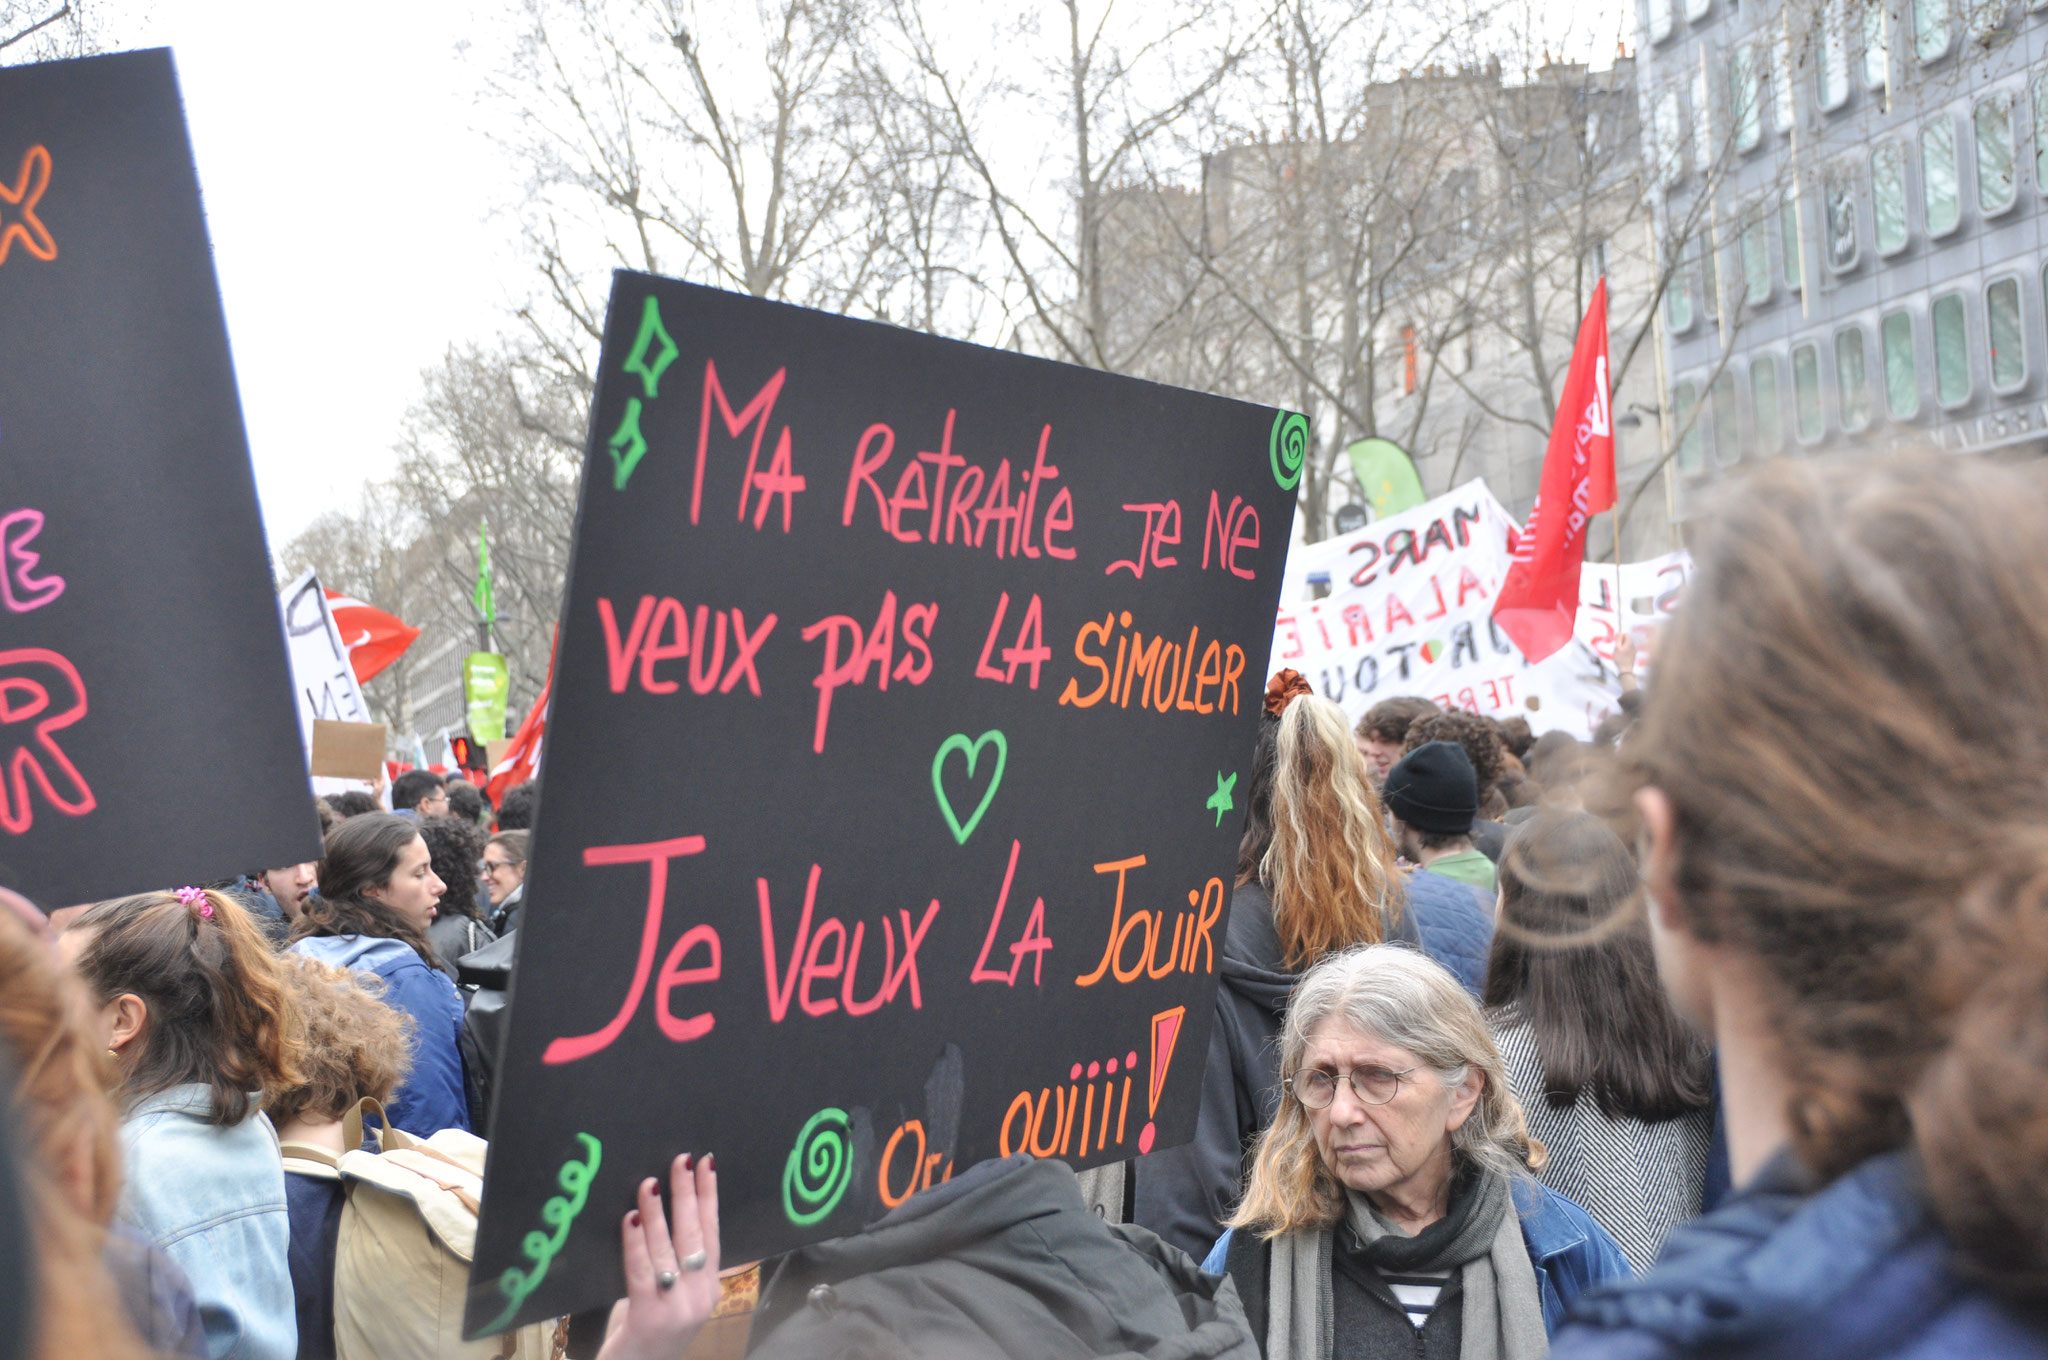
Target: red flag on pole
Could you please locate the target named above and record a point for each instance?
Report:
(522, 758)
(374, 638)
(1539, 601)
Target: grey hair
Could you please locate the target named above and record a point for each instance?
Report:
(1402, 997)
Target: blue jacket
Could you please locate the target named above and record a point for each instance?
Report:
(1456, 923)
(434, 1096)
(1571, 1253)
(211, 1196)
(1856, 1271)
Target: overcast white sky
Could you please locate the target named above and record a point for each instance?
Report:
(362, 219)
(351, 196)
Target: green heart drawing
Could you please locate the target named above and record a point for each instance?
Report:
(959, 741)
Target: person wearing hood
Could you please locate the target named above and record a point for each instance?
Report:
(1005, 1259)
(1315, 873)
(1836, 786)
(378, 895)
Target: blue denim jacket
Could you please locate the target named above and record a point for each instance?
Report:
(1569, 1250)
(212, 1198)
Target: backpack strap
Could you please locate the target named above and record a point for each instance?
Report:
(352, 1124)
(309, 1159)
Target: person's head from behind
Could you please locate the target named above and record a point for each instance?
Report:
(1515, 734)
(503, 865)
(353, 803)
(377, 879)
(1329, 862)
(187, 992)
(516, 807)
(453, 848)
(1390, 1085)
(1434, 798)
(1837, 777)
(356, 1045)
(1481, 742)
(1383, 731)
(422, 791)
(1572, 954)
(466, 802)
(61, 1074)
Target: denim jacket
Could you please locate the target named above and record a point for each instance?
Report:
(1569, 1251)
(212, 1198)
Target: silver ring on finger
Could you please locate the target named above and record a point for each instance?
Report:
(666, 1279)
(694, 1261)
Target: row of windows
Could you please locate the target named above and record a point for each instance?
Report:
(1935, 25)
(1934, 31)
(1864, 377)
(1931, 157)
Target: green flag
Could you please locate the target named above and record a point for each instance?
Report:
(485, 688)
(486, 607)
(1387, 476)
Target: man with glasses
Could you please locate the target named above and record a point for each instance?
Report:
(419, 793)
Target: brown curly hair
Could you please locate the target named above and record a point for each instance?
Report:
(356, 1044)
(1479, 737)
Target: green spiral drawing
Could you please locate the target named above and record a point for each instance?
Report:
(819, 1168)
(1290, 447)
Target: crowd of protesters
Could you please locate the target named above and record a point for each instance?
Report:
(1722, 1034)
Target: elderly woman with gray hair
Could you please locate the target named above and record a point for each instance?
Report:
(1390, 1209)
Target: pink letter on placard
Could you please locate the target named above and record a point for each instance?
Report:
(20, 589)
(39, 687)
(655, 855)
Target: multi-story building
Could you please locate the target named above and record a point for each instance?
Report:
(1861, 184)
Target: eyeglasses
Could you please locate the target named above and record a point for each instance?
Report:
(487, 867)
(1317, 1087)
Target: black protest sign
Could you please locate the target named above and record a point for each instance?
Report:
(894, 777)
(146, 728)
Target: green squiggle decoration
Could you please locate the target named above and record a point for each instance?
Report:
(819, 1168)
(558, 1213)
(1289, 447)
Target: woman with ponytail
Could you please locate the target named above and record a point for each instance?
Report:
(1836, 790)
(378, 895)
(1316, 874)
(191, 1008)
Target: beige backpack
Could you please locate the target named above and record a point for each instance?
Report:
(401, 1263)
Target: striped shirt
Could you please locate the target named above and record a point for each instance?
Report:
(1417, 1291)
(1637, 1180)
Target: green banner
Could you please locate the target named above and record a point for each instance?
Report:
(486, 685)
(1387, 476)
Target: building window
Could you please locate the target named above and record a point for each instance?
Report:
(1685, 423)
(1930, 29)
(1696, 9)
(1678, 300)
(1756, 262)
(1888, 196)
(1795, 258)
(1997, 158)
(1831, 72)
(1938, 177)
(1667, 138)
(2041, 133)
(1806, 391)
(1763, 400)
(1852, 379)
(1727, 429)
(2007, 334)
(1782, 111)
(1660, 20)
(1876, 51)
(1704, 152)
(1951, 351)
(1984, 17)
(1841, 205)
(1710, 281)
(1745, 98)
(1901, 378)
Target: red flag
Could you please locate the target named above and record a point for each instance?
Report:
(522, 758)
(1539, 600)
(374, 638)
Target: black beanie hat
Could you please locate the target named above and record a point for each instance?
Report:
(1433, 789)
